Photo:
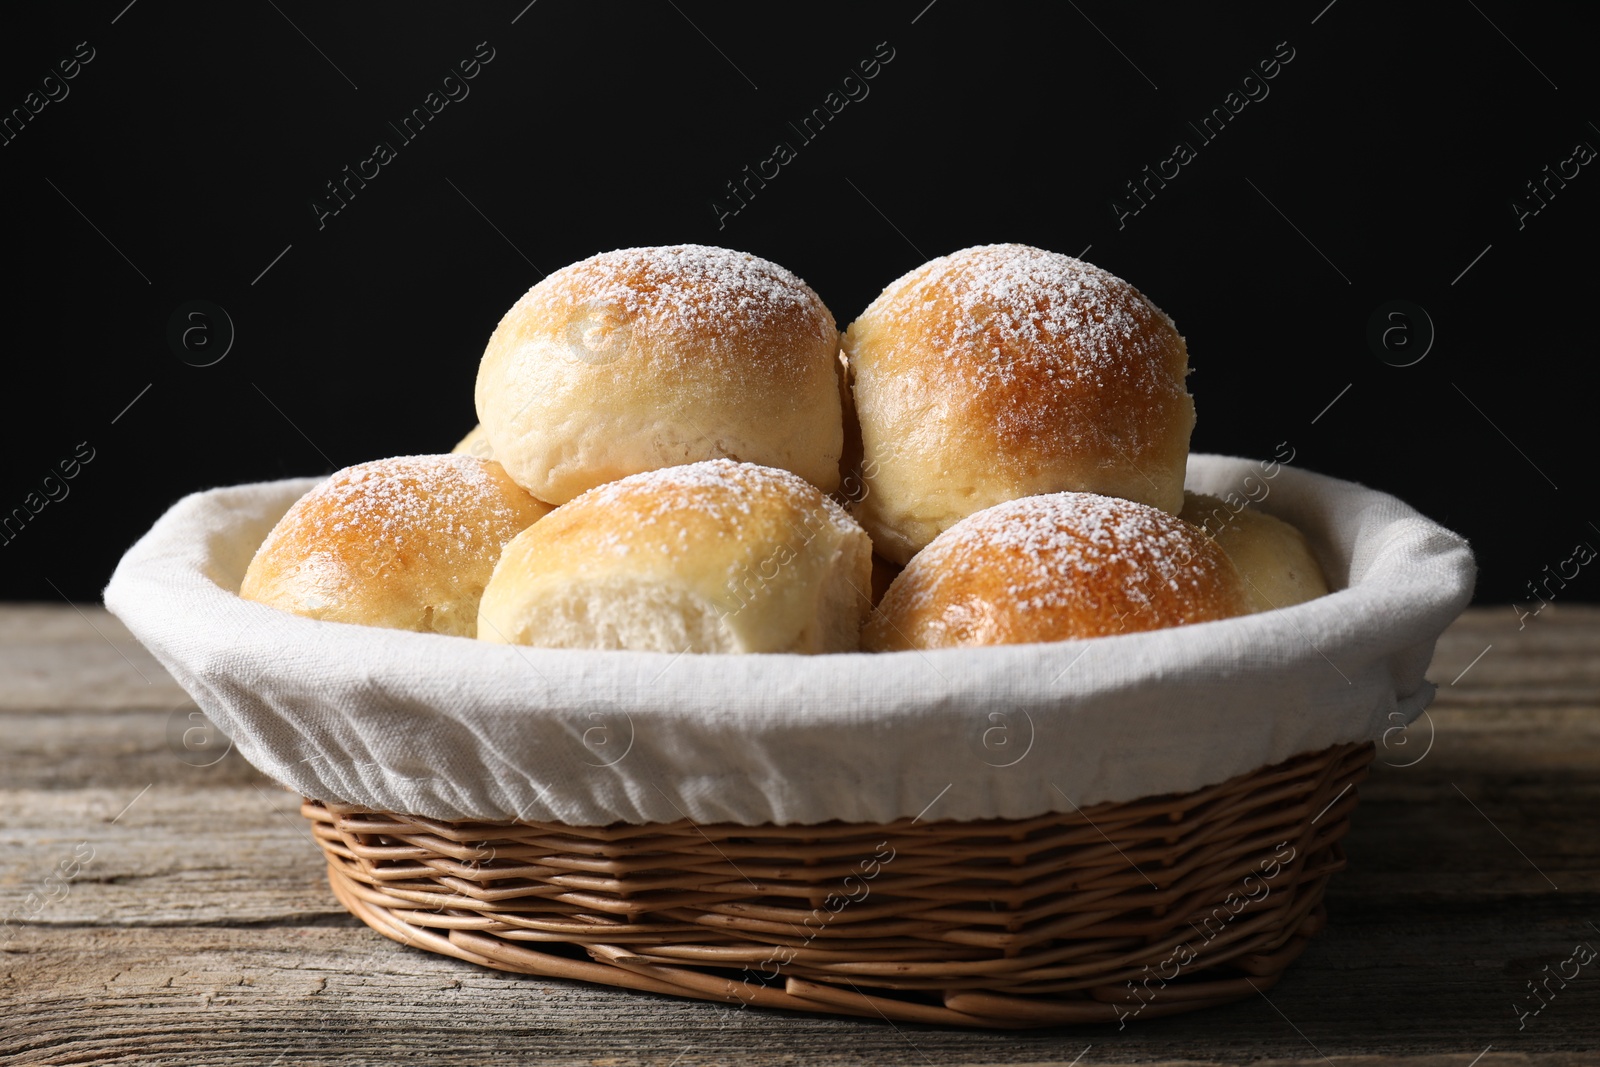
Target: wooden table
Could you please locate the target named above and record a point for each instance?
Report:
(178, 911)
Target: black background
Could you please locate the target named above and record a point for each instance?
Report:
(1383, 162)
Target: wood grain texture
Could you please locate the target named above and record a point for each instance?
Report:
(202, 930)
(59, 656)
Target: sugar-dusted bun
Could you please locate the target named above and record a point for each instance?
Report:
(1049, 568)
(476, 443)
(714, 556)
(1274, 558)
(405, 543)
(644, 358)
(1005, 371)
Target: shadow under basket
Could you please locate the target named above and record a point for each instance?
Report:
(1123, 910)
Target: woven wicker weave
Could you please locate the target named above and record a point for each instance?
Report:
(1117, 911)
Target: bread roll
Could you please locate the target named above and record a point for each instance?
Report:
(709, 557)
(1054, 567)
(1274, 558)
(1005, 371)
(644, 358)
(476, 443)
(405, 543)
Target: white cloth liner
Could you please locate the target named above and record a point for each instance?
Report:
(452, 728)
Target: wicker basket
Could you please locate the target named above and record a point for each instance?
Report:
(656, 874)
(1118, 911)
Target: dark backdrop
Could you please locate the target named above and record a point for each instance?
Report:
(1381, 162)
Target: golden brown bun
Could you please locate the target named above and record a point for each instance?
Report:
(405, 543)
(1050, 568)
(1006, 371)
(709, 557)
(644, 358)
(476, 443)
(1274, 558)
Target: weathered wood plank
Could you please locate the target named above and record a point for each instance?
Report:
(1443, 984)
(1554, 657)
(64, 656)
(68, 750)
(176, 857)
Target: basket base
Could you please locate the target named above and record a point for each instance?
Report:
(1112, 913)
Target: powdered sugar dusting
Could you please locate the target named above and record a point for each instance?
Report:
(719, 490)
(1010, 303)
(449, 507)
(717, 295)
(1125, 564)
(1053, 350)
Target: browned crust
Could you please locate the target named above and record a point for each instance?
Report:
(405, 543)
(921, 346)
(978, 584)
